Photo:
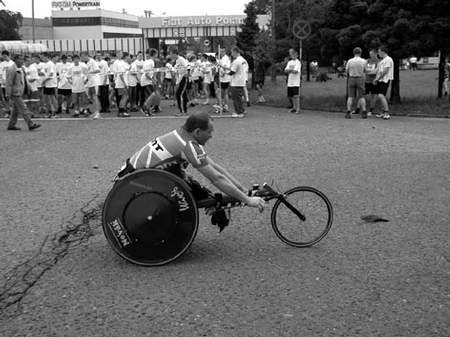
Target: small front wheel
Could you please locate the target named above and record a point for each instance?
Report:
(302, 216)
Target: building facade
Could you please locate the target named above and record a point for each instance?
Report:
(43, 29)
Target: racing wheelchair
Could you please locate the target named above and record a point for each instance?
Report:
(150, 216)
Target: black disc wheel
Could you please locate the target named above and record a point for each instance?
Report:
(150, 217)
(302, 217)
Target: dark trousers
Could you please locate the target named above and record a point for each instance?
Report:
(146, 92)
(103, 96)
(132, 93)
(236, 95)
(18, 106)
(181, 95)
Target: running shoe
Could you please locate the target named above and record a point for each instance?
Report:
(386, 116)
(235, 115)
(96, 115)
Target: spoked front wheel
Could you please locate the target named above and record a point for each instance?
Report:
(302, 216)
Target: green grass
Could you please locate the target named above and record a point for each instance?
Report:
(418, 92)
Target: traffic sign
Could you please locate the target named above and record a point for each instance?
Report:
(206, 43)
(301, 29)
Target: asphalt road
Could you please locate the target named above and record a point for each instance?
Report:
(60, 277)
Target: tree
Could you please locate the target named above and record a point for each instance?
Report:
(246, 39)
(406, 27)
(10, 23)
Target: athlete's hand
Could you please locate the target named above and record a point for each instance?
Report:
(256, 202)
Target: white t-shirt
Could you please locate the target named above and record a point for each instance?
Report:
(120, 67)
(169, 70)
(196, 70)
(50, 75)
(32, 76)
(3, 68)
(181, 67)
(139, 66)
(356, 66)
(226, 63)
(294, 79)
(239, 78)
(132, 75)
(386, 63)
(207, 72)
(40, 69)
(103, 74)
(78, 74)
(147, 71)
(93, 76)
(63, 70)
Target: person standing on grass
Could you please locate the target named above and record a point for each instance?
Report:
(50, 83)
(385, 74)
(446, 77)
(16, 85)
(238, 82)
(371, 89)
(293, 70)
(355, 69)
(225, 64)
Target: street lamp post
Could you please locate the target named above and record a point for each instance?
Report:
(32, 21)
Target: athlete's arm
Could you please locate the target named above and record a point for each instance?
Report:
(227, 174)
(226, 186)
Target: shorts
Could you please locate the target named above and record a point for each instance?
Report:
(371, 89)
(65, 92)
(224, 85)
(122, 91)
(293, 91)
(383, 87)
(92, 91)
(49, 91)
(355, 87)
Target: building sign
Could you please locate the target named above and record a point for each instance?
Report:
(192, 21)
(75, 4)
(202, 21)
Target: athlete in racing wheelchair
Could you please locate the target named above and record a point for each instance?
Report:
(174, 151)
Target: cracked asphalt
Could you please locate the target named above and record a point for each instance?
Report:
(60, 277)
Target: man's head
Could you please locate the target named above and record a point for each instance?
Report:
(383, 51)
(76, 59)
(18, 60)
(5, 55)
(293, 53)
(373, 53)
(45, 57)
(357, 51)
(84, 57)
(98, 57)
(63, 59)
(119, 54)
(28, 60)
(153, 53)
(126, 57)
(173, 53)
(36, 59)
(199, 125)
(139, 56)
(235, 52)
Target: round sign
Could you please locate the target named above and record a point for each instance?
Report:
(301, 29)
(206, 43)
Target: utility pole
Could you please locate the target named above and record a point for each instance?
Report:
(274, 73)
(32, 21)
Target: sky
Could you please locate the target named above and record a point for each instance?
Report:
(137, 7)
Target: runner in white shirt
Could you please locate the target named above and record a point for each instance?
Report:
(93, 81)
(32, 77)
(64, 86)
(103, 88)
(133, 80)
(206, 67)
(238, 81)
(139, 64)
(50, 84)
(7, 62)
(247, 98)
(77, 78)
(294, 70)
(147, 80)
(168, 79)
(120, 68)
(225, 64)
(385, 74)
(182, 71)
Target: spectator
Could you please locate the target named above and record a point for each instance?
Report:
(16, 85)
(413, 63)
(371, 89)
(355, 68)
(293, 70)
(49, 83)
(103, 88)
(93, 81)
(238, 81)
(385, 74)
(446, 77)
(181, 68)
(4, 65)
(77, 77)
(64, 86)
(225, 64)
(120, 68)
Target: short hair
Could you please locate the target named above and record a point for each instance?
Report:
(174, 50)
(45, 54)
(17, 57)
(63, 57)
(5, 53)
(383, 49)
(236, 49)
(76, 56)
(125, 54)
(198, 120)
(357, 51)
(153, 52)
(294, 51)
